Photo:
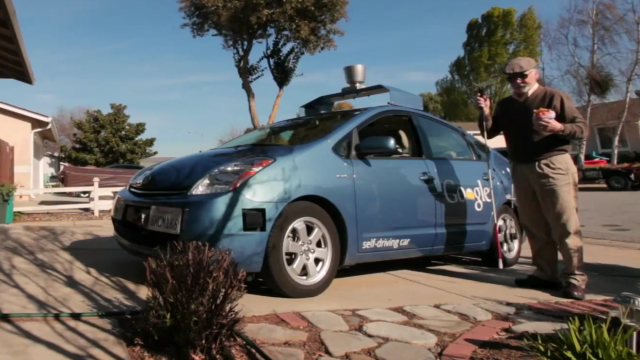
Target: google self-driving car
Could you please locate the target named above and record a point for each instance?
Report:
(297, 200)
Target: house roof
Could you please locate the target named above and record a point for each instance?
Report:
(50, 134)
(14, 63)
(611, 112)
(155, 159)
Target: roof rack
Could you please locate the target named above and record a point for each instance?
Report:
(355, 76)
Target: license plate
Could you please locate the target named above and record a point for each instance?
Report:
(165, 219)
(593, 174)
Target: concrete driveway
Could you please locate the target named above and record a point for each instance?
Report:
(81, 268)
(78, 268)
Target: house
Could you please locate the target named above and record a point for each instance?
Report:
(603, 122)
(23, 129)
(26, 131)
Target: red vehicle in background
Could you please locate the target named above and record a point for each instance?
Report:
(110, 176)
(620, 177)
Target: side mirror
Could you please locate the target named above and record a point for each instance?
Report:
(377, 145)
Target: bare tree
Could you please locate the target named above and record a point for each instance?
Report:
(629, 64)
(583, 39)
(232, 134)
(64, 126)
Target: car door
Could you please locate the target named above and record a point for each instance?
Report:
(395, 210)
(464, 198)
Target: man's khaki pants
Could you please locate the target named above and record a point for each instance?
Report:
(547, 196)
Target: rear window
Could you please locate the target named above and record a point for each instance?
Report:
(297, 131)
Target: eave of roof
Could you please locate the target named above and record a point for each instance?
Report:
(51, 134)
(14, 62)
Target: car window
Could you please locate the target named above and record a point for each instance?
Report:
(296, 131)
(401, 128)
(444, 142)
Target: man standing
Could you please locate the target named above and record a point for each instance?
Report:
(544, 175)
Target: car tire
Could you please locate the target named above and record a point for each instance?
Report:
(281, 271)
(618, 182)
(509, 226)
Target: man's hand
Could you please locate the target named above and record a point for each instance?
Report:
(548, 125)
(484, 104)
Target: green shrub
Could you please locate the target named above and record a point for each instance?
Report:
(6, 191)
(190, 309)
(584, 340)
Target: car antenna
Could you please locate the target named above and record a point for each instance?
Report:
(482, 93)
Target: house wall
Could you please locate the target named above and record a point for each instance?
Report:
(16, 130)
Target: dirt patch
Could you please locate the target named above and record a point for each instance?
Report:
(503, 348)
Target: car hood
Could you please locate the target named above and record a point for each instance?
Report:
(181, 174)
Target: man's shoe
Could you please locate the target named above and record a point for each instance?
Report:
(534, 282)
(573, 292)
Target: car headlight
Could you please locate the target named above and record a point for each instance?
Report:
(229, 176)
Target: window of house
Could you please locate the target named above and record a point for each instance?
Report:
(401, 128)
(444, 142)
(605, 136)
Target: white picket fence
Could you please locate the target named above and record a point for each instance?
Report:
(95, 192)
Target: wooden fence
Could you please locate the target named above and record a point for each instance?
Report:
(6, 163)
(96, 204)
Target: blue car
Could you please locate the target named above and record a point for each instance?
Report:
(299, 199)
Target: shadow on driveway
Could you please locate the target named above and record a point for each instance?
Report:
(44, 269)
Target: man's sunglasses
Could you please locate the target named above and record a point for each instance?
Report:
(516, 76)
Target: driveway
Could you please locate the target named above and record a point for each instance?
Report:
(81, 268)
(78, 267)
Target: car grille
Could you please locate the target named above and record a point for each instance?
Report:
(132, 227)
(155, 193)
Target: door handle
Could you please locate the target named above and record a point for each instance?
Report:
(485, 176)
(431, 180)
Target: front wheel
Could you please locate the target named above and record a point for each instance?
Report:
(303, 251)
(511, 237)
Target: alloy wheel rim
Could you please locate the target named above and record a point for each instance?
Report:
(307, 251)
(508, 236)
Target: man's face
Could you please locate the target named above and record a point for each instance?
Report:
(524, 81)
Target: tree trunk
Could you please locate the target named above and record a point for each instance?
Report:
(251, 100)
(276, 105)
(583, 142)
(616, 138)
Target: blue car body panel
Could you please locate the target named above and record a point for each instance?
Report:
(383, 208)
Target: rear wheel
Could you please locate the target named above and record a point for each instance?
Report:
(618, 182)
(303, 251)
(510, 236)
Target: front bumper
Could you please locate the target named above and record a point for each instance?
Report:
(220, 220)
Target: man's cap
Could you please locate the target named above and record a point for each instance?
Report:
(519, 65)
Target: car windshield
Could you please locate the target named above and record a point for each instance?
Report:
(297, 131)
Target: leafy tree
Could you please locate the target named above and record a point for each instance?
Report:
(106, 139)
(492, 40)
(431, 103)
(343, 105)
(306, 26)
(282, 63)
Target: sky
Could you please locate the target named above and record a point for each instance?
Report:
(90, 53)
